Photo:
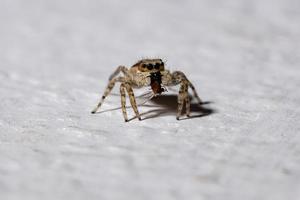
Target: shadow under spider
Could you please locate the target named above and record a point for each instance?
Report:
(167, 105)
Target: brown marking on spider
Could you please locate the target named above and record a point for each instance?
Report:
(149, 72)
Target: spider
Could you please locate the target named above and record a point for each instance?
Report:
(149, 72)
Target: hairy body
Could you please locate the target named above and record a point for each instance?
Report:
(149, 72)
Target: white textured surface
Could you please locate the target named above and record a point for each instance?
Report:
(56, 56)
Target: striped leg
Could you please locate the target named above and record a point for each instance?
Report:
(123, 101)
(108, 89)
(195, 92)
(118, 70)
(133, 101)
(187, 105)
(131, 98)
(179, 78)
(183, 94)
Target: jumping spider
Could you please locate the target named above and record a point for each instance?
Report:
(149, 72)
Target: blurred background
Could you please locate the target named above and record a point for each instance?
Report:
(56, 57)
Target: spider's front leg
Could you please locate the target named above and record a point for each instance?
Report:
(183, 96)
(131, 98)
(108, 89)
(118, 70)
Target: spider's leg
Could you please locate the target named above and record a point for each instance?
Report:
(108, 89)
(123, 101)
(195, 92)
(179, 78)
(132, 100)
(187, 105)
(118, 70)
(182, 96)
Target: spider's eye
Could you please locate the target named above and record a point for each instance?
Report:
(150, 66)
(157, 66)
(143, 66)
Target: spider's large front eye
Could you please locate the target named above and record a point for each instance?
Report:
(150, 66)
(157, 66)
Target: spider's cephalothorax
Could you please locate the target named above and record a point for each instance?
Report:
(150, 65)
(153, 67)
(149, 72)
